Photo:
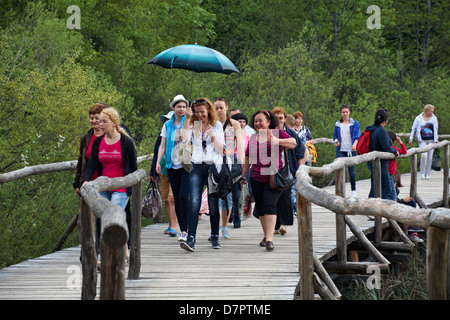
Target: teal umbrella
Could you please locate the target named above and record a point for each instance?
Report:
(195, 58)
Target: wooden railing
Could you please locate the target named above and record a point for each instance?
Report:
(114, 230)
(113, 238)
(314, 275)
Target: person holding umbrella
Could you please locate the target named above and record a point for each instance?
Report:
(205, 131)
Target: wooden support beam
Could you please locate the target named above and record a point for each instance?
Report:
(305, 244)
(88, 252)
(366, 243)
(135, 244)
(341, 231)
(437, 263)
(353, 267)
(325, 277)
(377, 194)
(446, 178)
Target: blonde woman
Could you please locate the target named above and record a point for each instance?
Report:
(113, 155)
(425, 129)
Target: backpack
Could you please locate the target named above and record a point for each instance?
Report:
(222, 180)
(363, 143)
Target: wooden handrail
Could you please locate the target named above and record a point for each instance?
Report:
(114, 236)
(49, 168)
(436, 221)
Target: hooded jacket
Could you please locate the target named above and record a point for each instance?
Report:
(355, 131)
(380, 140)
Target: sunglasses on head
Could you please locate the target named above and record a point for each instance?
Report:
(219, 99)
(199, 101)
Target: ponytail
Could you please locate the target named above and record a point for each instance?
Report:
(380, 116)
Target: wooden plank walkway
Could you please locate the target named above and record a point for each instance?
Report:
(240, 270)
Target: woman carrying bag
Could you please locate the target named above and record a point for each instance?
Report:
(259, 154)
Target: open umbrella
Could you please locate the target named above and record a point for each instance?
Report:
(195, 58)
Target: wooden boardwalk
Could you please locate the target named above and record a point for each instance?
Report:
(240, 270)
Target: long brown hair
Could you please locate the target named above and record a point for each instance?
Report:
(212, 114)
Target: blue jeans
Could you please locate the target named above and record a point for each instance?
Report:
(351, 170)
(179, 182)
(233, 203)
(119, 198)
(294, 196)
(387, 190)
(198, 178)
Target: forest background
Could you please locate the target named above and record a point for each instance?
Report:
(308, 56)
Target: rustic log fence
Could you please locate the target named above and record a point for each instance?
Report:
(114, 230)
(314, 275)
(113, 238)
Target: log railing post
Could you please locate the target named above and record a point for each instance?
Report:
(413, 184)
(88, 252)
(446, 179)
(135, 243)
(377, 194)
(341, 229)
(306, 254)
(437, 263)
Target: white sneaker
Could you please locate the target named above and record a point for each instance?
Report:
(415, 237)
(423, 176)
(427, 176)
(183, 236)
(354, 193)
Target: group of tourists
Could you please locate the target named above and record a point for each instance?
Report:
(197, 138)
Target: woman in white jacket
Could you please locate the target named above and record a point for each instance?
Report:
(425, 129)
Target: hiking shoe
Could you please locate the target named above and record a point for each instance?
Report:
(189, 244)
(183, 236)
(215, 242)
(225, 233)
(415, 237)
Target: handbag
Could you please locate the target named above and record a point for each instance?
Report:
(152, 202)
(283, 178)
(185, 155)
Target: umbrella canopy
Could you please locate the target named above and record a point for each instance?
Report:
(195, 58)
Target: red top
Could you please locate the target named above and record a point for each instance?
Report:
(393, 163)
(110, 156)
(88, 152)
(260, 156)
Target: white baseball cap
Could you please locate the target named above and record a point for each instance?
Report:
(166, 116)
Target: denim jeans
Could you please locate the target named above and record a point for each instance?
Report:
(351, 170)
(119, 198)
(387, 190)
(233, 203)
(198, 178)
(179, 182)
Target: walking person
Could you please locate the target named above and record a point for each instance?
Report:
(84, 155)
(178, 176)
(380, 141)
(425, 129)
(113, 155)
(234, 147)
(302, 131)
(267, 144)
(203, 129)
(164, 184)
(287, 204)
(346, 135)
